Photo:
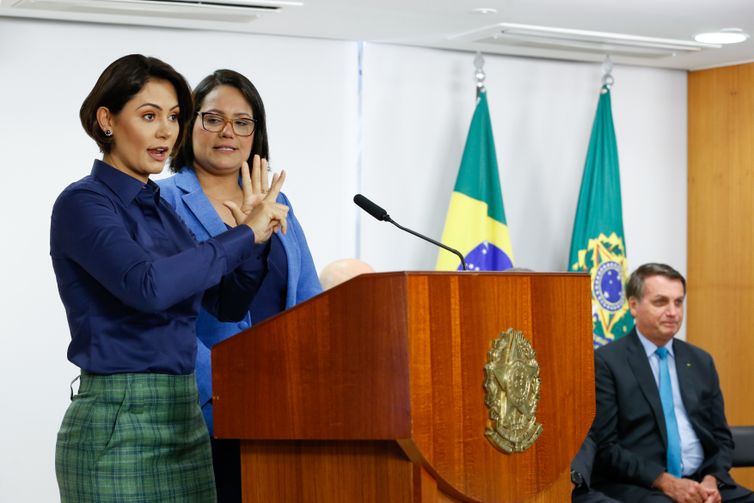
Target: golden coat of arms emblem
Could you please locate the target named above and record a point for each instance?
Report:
(512, 393)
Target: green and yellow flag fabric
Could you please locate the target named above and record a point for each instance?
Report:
(597, 245)
(476, 223)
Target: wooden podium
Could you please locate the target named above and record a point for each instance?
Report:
(374, 391)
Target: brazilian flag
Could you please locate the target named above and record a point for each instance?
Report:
(597, 245)
(476, 220)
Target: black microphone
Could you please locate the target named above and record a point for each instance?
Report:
(371, 208)
(380, 214)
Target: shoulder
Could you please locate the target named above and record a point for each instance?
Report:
(86, 184)
(614, 349)
(167, 183)
(84, 192)
(691, 350)
(169, 191)
(82, 207)
(294, 226)
(174, 187)
(283, 199)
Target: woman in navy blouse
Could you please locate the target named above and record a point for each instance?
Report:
(229, 132)
(132, 279)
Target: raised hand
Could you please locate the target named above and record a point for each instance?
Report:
(265, 215)
(254, 184)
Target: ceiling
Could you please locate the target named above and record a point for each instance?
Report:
(451, 24)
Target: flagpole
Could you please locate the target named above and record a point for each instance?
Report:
(607, 74)
(479, 73)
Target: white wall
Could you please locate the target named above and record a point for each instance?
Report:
(417, 104)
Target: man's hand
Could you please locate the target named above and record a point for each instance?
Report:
(684, 490)
(709, 483)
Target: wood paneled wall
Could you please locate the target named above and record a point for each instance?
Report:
(720, 308)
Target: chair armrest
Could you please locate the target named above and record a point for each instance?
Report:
(743, 439)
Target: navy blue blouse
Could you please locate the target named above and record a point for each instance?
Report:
(132, 277)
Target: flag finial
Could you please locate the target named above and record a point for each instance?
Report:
(607, 73)
(479, 73)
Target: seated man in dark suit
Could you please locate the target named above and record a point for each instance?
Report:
(660, 426)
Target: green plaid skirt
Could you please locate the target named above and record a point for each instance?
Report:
(130, 438)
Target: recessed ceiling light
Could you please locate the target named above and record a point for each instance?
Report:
(724, 36)
(484, 10)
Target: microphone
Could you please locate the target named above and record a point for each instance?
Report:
(371, 208)
(380, 214)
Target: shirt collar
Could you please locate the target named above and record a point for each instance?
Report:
(649, 346)
(124, 186)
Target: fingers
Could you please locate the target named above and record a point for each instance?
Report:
(711, 491)
(246, 186)
(254, 182)
(281, 216)
(283, 225)
(265, 175)
(265, 218)
(277, 185)
(712, 495)
(686, 491)
(700, 493)
(256, 177)
(238, 215)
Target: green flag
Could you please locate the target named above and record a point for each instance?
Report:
(476, 224)
(597, 245)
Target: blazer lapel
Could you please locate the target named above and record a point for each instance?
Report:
(684, 371)
(639, 363)
(198, 203)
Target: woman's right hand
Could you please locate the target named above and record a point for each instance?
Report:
(256, 186)
(264, 216)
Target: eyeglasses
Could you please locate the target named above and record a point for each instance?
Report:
(214, 123)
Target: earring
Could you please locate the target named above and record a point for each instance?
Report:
(108, 132)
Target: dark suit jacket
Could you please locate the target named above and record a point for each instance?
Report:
(583, 463)
(629, 426)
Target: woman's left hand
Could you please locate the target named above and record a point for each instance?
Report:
(266, 217)
(255, 186)
(254, 183)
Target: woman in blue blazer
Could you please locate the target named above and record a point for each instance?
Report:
(229, 131)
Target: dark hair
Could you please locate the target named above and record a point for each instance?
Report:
(185, 156)
(120, 82)
(635, 285)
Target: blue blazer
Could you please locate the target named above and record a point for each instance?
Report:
(184, 193)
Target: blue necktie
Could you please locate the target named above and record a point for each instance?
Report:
(668, 409)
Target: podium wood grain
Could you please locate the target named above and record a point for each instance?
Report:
(374, 391)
